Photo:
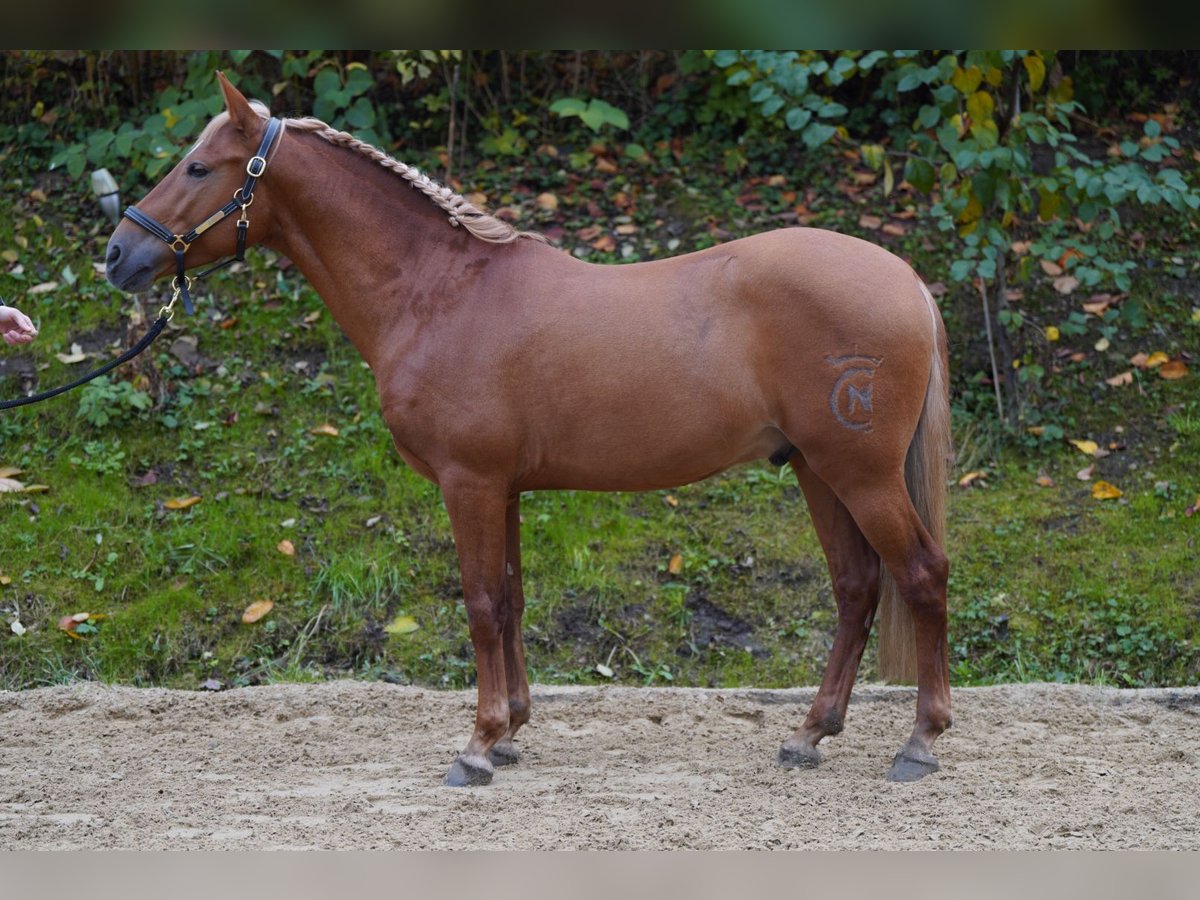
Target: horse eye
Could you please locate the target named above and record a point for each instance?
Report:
(197, 170)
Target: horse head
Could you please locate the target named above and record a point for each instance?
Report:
(186, 219)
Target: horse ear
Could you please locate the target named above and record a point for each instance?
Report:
(241, 114)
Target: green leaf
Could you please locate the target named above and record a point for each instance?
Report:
(910, 80)
(960, 269)
(616, 116)
(568, 106)
(919, 173)
(983, 184)
(817, 134)
(361, 114)
(929, 116)
(797, 118)
(327, 81)
(761, 92)
(723, 59)
(358, 79)
(1152, 128)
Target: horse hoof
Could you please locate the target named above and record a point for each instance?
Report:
(464, 773)
(504, 753)
(798, 757)
(912, 764)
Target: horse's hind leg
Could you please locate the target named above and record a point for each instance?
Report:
(883, 510)
(505, 753)
(854, 569)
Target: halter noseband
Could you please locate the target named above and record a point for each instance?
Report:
(242, 198)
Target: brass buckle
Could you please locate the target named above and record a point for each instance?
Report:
(175, 244)
(256, 171)
(169, 309)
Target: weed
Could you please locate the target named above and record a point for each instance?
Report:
(102, 402)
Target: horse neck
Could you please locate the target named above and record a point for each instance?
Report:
(376, 250)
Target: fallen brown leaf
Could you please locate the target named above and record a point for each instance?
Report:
(182, 502)
(1066, 284)
(257, 610)
(1173, 370)
(675, 566)
(75, 356)
(1125, 377)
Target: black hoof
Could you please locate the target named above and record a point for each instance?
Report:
(504, 753)
(912, 764)
(798, 757)
(468, 774)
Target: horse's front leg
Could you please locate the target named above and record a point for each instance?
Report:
(477, 515)
(505, 753)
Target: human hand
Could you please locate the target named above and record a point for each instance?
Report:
(15, 326)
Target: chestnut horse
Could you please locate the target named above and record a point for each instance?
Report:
(505, 365)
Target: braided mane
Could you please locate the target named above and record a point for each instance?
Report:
(463, 213)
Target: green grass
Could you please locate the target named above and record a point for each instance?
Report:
(1046, 583)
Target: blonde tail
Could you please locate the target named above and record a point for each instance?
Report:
(925, 471)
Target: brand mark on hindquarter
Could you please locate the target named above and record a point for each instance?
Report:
(850, 399)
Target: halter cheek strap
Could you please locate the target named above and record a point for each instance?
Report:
(242, 198)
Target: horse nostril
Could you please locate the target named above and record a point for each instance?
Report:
(114, 253)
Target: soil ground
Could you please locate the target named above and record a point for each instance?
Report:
(359, 765)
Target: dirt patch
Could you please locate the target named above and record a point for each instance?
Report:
(711, 627)
(357, 765)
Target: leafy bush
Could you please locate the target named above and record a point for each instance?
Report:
(102, 401)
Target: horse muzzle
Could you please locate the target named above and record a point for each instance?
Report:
(133, 264)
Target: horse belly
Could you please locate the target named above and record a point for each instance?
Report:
(632, 440)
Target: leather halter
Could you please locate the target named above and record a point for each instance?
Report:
(242, 198)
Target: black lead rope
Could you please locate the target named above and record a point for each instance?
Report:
(146, 341)
(181, 283)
